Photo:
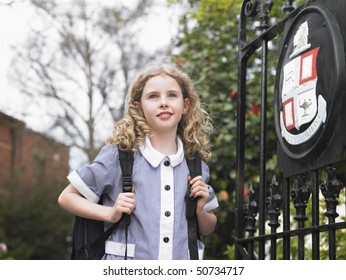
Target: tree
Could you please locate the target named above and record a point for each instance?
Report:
(208, 45)
(79, 53)
(208, 50)
(32, 224)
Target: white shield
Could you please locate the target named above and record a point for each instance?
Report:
(299, 101)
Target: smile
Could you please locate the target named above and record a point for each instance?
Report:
(164, 114)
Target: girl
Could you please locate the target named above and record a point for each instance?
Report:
(163, 124)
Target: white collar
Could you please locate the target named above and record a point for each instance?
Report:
(154, 157)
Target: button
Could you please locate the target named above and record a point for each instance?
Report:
(166, 239)
(166, 163)
(167, 213)
(167, 187)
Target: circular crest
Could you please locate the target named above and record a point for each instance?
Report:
(308, 87)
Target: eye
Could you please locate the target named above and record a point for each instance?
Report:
(152, 96)
(172, 94)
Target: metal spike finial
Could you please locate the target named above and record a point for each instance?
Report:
(274, 202)
(250, 211)
(331, 189)
(265, 9)
(300, 197)
(288, 6)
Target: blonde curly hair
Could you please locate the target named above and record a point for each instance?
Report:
(194, 129)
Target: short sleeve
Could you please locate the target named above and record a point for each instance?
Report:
(212, 202)
(94, 179)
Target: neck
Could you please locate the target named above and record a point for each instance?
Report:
(165, 144)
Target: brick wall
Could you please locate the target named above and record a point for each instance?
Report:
(29, 155)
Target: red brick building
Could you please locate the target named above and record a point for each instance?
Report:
(27, 155)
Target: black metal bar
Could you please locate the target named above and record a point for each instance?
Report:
(265, 9)
(250, 213)
(315, 215)
(305, 231)
(274, 201)
(242, 66)
(245, 214)
(301, 242)
(331, 190)
(241, 251)
(331, 240)
(286, 219)
(269, 34)
(300, 196)
(263, 138)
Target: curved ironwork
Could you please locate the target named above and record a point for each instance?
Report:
(265, 206)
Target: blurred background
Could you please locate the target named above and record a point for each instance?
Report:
(65, 68)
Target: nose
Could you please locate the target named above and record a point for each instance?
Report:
(163, 102)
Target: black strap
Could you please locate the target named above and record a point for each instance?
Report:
(126, 163)
(195, 168)
(101, 240)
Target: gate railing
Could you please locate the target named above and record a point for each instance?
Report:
(300, 190)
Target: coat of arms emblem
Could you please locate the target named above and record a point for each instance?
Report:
(302, 112)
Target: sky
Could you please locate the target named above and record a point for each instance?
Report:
(12, 31)
(159, 29)
(14, 21)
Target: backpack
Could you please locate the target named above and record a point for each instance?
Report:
(88, 240)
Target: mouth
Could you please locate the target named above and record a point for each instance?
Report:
(164, 114)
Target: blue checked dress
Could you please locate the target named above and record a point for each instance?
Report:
(158, 228)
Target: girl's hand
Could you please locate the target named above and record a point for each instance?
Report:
(124, 204)
(199, 189)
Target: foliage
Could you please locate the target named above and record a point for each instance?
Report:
(32, 224)
(208, 46)
(208, 49)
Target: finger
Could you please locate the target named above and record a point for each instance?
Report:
(125, 207)
(125, 199)
(126, 203)
(202, 196)
(198, 185)
(126, 210)
(126, 196)
(199, 190)
(196, 179)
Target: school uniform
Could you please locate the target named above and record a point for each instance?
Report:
(158, 228)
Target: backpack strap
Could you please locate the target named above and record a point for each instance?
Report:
(90, 249)
(126, 163)
(195, 168)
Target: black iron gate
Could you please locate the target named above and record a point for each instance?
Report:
(298, 207)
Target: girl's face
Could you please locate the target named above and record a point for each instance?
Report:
(162, 104)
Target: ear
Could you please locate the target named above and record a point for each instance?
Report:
(138, 107)
(186, 106)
